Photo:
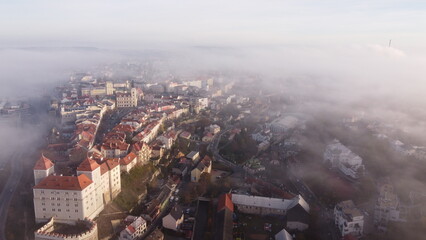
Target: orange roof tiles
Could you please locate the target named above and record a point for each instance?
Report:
(64, 182)
(115, 144)
(128, 159)
(104, 168)
(131, 229)
(225, 201)
(43, 163)
(109, 165)
(88, 165)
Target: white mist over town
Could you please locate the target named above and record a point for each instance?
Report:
(212, 120)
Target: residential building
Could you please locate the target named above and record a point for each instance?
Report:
(297, 219)
(267, 206)
(185, 135)
(167, 141)
(387, 207)
(114, 149)
(128, 162)
(194, 156)
(135, 229)
(142, 151)
(213, 128)
(204, 166)
(127, 99)
(342, 158)
(348, 218)
(208, 137)
(174, 219)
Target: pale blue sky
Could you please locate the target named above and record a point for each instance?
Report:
(139, 24)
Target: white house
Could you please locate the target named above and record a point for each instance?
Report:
(344, 159)
(128, 162)
(348, 218)
(167, 141)
(134, 230)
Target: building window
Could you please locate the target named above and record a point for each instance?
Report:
(44, 209)
(76, 210)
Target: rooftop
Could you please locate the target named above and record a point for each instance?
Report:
(266, 202)
(128, 159)
(43, 163)
(225, 202)
(88, 165)
(64, 182)
(348, 208)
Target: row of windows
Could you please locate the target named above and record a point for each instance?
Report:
(59, 210)
(58, 198)
(53, 192)
(58, 204)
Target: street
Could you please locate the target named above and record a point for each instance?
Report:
(9, 190)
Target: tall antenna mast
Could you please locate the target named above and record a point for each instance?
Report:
(390, 42)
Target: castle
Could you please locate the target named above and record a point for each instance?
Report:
(72, 198)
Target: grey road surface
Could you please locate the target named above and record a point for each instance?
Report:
(9, 190)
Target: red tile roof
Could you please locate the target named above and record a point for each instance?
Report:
(88, 165)
(109, 165)
(225, 202)
(64, 182)
(104, 168)
(43, 163)
(115, 144)
(128, 159)
(131, 229)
